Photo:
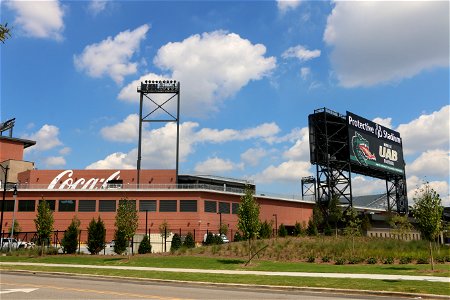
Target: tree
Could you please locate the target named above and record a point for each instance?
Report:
(282, 231)
(176, 242)
(352, 225)
(365, 223)
(335, 212)
(427, 211)
(298, 229)
(312, 230)
(120, 241)
(96, 236)
(44, 224)
(248, 218)
(265, 231)
(17, 227)
(400, 224)
(145, 246)
(5, 32)
(69, 241)
(164, 231)
(126, 219)
(237, 237)
(317, 216)
(189, 241)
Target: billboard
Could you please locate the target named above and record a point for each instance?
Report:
(374, 146)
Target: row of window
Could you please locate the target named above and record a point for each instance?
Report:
(110, 206)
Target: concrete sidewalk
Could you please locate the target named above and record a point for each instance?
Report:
(237, 272)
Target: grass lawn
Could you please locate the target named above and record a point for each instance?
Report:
(357, 284)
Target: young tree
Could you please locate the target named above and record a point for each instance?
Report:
(176, 242)
(69, 241)
(164, 231)
(17, 227)
(44, 224)
(298, 229)
(237, 237)
(223, 229)
(352, 225)
(145, 246)
(126, 219)
(189, 241)
(120, 241)
(96, 236)
(365, 223)
(427, 211)
(335, 212)
(265, 231)
(312, 230)
(400, 224)
(248, 219)
(282, 231)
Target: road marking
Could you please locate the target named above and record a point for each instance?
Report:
(8, 291)
(128, 295)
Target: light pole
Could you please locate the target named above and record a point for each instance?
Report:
(146, 222)
(5, 170)
(220, 223)
(14, 211)
(276, 225)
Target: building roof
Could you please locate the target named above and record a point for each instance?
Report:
(26, 143)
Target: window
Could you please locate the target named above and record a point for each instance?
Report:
(51, 204)
(168, 205)
(132, 201)
(188, 205)
(107, 205)
(66, 205)
(234, 208)
(9, 205)
(26, 205)
(147, 205)
(224, 207)
(210, 206)
(86, 205)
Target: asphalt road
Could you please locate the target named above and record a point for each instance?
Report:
(15, 286)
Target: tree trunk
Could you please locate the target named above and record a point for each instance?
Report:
(431, 256)
(249, 249)
(335, 227)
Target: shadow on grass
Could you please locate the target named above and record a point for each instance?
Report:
(390, 280)
(231, 261)
(401, 268)
(113, 259)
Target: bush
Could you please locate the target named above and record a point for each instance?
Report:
(327, 230)
(339, 261)
(69, 241)
(388, 260)
(326, 259)
(176, 242)
(312, 228)
(189, 241)
(311, 259)
(355, 260)
(405, 260)
(372, 260)
(96, 236)
(422, 261)
(282, 231)
(265, 231)
(144, 246)
(440, 259)
(298, 229)
(120, 244)
(237, 237)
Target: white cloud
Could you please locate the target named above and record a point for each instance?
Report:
(65, 151)
(290, 171)
(300, 150)
(441, 187)
(54, 161)
(426, 132)
(285, 5)
(301, 53)
(40, 19)
(386, 122)
(112, 56)
(382, 41)
(97, 6)
(212, 67)
(430, 163)
(129, 92)
(362, 185)
(305, 72)
(264, 131)
(114, 161)
(126, 131)
(216, 165)
(46, 138)
(253, 156)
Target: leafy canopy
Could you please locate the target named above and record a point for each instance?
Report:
(248, 214)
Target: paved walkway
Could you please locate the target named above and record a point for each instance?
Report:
(237, 272)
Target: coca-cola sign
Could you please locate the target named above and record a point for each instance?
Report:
(65, 181)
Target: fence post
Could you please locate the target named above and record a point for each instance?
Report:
(194, 234)
(79, 243)
(180, 232)
(231, 236)
(165, 238)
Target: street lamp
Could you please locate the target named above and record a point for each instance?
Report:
(220, 223)
(276, 225)
(5, 170)
(146, 221)
(14, 211)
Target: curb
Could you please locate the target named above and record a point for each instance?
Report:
(317, 290)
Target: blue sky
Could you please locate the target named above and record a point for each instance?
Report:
(250, 72)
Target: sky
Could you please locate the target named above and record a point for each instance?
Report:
(250, 73)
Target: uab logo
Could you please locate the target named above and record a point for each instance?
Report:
(361, 150)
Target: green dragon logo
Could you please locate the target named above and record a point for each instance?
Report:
(360, 147)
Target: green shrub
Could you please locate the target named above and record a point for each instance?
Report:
(96, 236)
(311, 259)
(405, 260)
(440, 259)
(144, 246)
(327, 230)
(372, 260)
(176, 242)
(189, 241)
(326, 259)
(237, 237)
(339, 261)
(298, 229)
(388, 260)
(355, 260)
(51, 250)
(312, 228)
(422, 261)
(282, 231)
(69, 241)
(121, 243)
(265, 231)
